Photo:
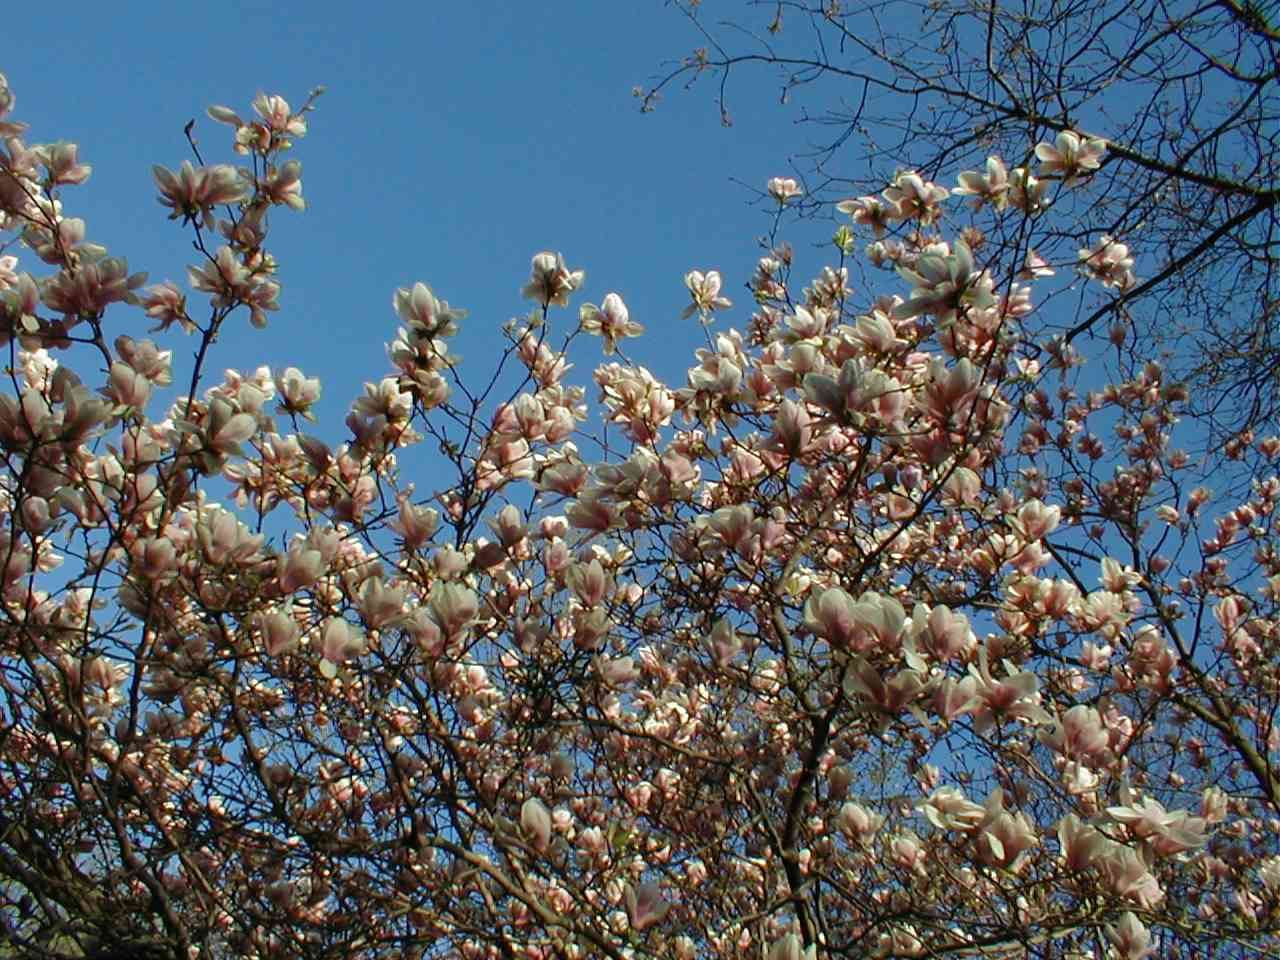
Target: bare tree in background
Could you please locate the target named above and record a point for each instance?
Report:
(1185, 94)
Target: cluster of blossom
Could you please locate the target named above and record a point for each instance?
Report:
(808, 659)
(1071, 160)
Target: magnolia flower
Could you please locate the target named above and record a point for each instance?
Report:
(723, 643)
(226, 277)
(565, 478)
(62, 163)
(940, 632)
(1117, 577)
(92, 287)
(275, 112)
(951, 390)
(1026, 192)
(593, 841)
(954, 698)
(943, 284)
(792, 430)
(1169, 831)
(589, 582)
(1035, 520)
(908, 852)
(1035, 266)
(645, 906)
(36, 514)
(871, 212)
(260, 298)
(1269, 873)
(790, 947)
(705, 290)
(193, 192)
(1079, 779)
(508, 526)
(1213, 804)
(783, 189)
(278, 123)
(1125, 870)
(1109, 262)
(914, 197)
(1079, 734)
(616, 672)
(858, 823)
(282, 185)
(1131, 939)
(947, 808)
(420, 310)
(339, 642)
(126, 387)
(864, 683)
(1082, 846)
(550, 281)
(62, 244)
(167, 304)
(8, 128)
(1017, 695)
(148, 360)
(1070, 155)
(280, 632)
(1003, 837)
(23, 421)
(990, 187)
(610, 320)
(297, 393)
(224, 539)
(535, 823)
(719, 371)
(380, 605)
(8, 275)
(875, 332)
(591, 513)
(300, 567)
(873, 621)
(225, 429)
(453, 605)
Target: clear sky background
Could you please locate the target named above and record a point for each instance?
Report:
(454, 142)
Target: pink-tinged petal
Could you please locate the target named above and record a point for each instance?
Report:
(535, 823)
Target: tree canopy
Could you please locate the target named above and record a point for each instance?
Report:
(896, 626)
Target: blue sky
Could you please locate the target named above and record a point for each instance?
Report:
(455, 141)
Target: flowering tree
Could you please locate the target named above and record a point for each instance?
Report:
(1186, 94)
(874, 638)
